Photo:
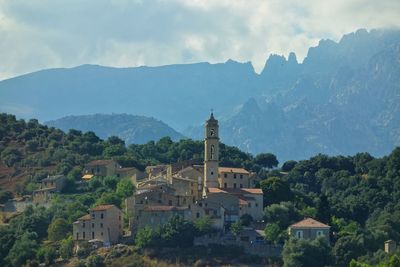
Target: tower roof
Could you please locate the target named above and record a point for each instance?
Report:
(212, 119)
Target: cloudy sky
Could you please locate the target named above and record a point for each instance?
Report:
(38, 34)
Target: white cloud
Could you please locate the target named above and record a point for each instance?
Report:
(39, 34)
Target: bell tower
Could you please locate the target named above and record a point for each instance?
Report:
(211, 153)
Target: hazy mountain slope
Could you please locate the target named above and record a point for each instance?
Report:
(344, 98)
(132, 129)
(177, 94)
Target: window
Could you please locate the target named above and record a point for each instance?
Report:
(119, 217)
(212, 173)
(299, 234)
(101, 225)
(83, 225)
(234, 175)
(197, 215)
(234, 185)
(101, 233)
(102, 216)
(225, 185)
(241, 185)
(92, 225)
(256, 204)
(225, 175)
(93, 215)
(212, 152)
(92, 235)
(320, 233)
(84, 235)
(170, 202)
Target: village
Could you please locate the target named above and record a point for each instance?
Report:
(191, 189)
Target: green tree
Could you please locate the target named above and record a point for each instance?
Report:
(66, 247)
(58, 229)
(306, 253)
(46, 254)
(236, 228)
(288, 165)
(275, 190)
(125, 188)
(273, 233)
(203, 225)
(24, 248)
(267, 160)
(246, 219)
(324, 210)
(146, 237)
(95, 261)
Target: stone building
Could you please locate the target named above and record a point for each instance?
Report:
(309, 229)
(103, 223)
(47, 188)
(193, 191)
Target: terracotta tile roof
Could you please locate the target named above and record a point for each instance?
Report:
(163, 208)
(52, 178)
(232, 170)
(100, 162)
(309, 223)
(216, 190)
(84, 218)
(242, 191)
(102, 207)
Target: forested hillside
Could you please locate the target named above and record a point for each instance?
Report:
(358, 196)
(132, 129)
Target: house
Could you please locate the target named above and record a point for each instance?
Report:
(103, 223)
(390, 246)
(155, 216)
(104, 167)
(48, 187)
(309, 229)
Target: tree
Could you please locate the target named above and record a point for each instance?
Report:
(275, 190)
(66, 247)
(177, 232)
(273, 233)
(236, 228)
(266, 160)
(110, 182)
(246, 219)
(311, 253)
(125, 188)
(58, 229)
(323, 210)
(203, 225)
(95, 261)
(23, 249)
(146, 237)
(46, 254)
(288, 165)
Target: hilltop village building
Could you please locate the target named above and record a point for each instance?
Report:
(194, 190)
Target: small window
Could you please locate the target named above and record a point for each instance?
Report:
(299, 234)
(119, 217)
(225, 185)
(225, 175)
(77, 236)
(197, 215)
(234, 175)
(83, 225)
(93, 215)
(256, 204)
(320, 233)
(241, 185)
(92, 235)
(212, 173)
(92, 225)
(241, 176)
(101, 225)
(234, 185)
(84, 235)
(102, 216)
(170, 202)
(101, 233)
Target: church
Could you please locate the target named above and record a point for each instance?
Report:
(194, 190)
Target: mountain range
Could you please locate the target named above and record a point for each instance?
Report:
(132, 129)
(343, 98)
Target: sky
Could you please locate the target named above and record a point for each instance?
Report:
(41, 34)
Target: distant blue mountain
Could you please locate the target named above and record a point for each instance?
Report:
(132, 129)
(343, 98)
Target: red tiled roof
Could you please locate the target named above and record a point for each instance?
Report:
(102, 207)
(100, 162)
(232, 170)
(309, 223)
(216, 190)
(84, 218)
(235, 191)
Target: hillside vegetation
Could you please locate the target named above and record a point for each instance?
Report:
(358, 196)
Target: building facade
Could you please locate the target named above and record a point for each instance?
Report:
(309, 229)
